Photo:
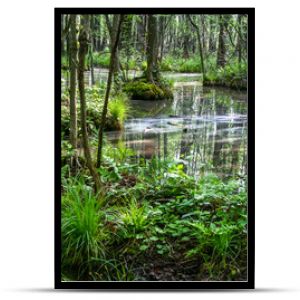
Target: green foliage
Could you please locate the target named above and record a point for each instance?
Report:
(101, 59)
(132, 220)
(64, 62)
(161, 213)
(118, 109)
(233, 75)
(83, 233)
(179, 64)
(144, 65)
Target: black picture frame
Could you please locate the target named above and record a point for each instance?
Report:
(159, 285)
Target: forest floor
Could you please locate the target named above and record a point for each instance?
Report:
(154, 223)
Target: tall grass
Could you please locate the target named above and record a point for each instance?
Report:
(118, 109)
(83, 232)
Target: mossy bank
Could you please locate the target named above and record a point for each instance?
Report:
(140, 89)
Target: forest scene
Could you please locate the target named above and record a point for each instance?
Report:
(154, 147)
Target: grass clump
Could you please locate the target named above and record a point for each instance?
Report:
(83, 233)
(118, 109)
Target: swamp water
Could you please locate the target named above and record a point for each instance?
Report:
(204, 128)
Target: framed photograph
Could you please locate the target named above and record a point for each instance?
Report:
(154, 148)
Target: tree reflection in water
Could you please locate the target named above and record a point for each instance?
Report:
(205, 129)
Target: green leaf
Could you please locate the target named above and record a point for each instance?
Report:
(144, 247)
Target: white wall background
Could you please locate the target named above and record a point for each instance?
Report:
(27, 148)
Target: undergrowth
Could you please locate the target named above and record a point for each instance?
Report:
(154, 223)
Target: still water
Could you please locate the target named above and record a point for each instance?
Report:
(203, 128)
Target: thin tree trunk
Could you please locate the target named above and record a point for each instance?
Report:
(203, 34)
(145, 24)
(162, 37)
(65, 26)
(200, 44)
(186, 38)
(239, 46)
(151, 47)
(73, 66)
(112, 34)
(91, 50)
(221, 48)
(83, 41)
(211, 46)
(109, 80)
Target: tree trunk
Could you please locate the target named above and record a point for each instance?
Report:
(161, 37)
(199, 43)
(203, 34)
(91, 50)
(221, 48)
(112, 29)
(73, 66)
(140, 35)
(65, 26)
(186, 38)
(211, 46)
(83, 42)
(62, 44)
(109, 80)
(239, 42)
(151, 48)
(145, 24)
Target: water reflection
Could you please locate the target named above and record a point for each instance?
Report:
(205, 129)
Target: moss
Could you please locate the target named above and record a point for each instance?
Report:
(140, 89)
